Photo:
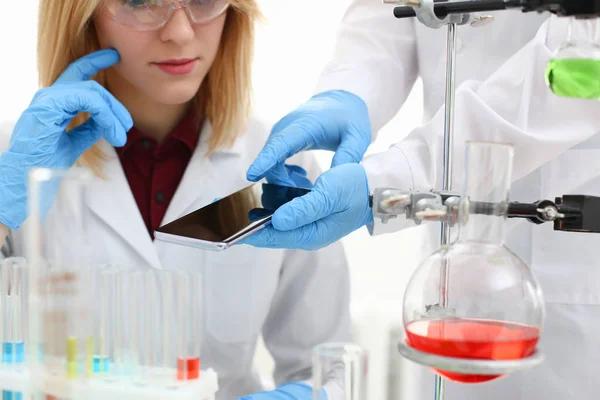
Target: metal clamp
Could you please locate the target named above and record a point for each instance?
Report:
(425, 13)
(389, 203)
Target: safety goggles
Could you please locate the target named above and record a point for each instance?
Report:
(148, 15)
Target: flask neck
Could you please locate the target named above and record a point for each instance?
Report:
(484, 203)
(484, 229)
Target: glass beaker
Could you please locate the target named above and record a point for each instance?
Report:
(473, 310)
(61, 301)
(339, 370)
(574, 70)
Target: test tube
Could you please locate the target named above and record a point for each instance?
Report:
(125, 310)
(159, 330)
(13, 280)
(163, 322)
(147, 328)
(340, 370)
(56, 250)
(103, 294)
(155, 329)
(80, 339)
(189, 313)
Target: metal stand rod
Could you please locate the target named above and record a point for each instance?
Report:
(447, 169)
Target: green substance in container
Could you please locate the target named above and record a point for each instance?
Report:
(574, 77)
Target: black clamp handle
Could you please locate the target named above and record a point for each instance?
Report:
(443, 8)
(564, 8)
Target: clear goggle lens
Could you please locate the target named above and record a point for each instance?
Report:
(147, 15)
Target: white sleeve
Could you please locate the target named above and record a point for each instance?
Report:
(311, 306)
(513, 105)
(375, 58)
(312, 302)
(8, 247)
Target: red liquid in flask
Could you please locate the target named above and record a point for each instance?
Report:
(472, 338)
(188, 368)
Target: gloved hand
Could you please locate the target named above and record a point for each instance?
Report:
(289, 391)
(334, 120)
(289, 175)
(337, 206)
(40, 139)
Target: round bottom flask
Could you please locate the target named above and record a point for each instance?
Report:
(473, 310)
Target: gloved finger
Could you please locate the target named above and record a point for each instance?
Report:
(279, 148)
(116, 106)
(289, 175)
(297, 169)
(297, 177)
(300, 181)
(75, 101)
(85, 135)
(279, 175)
(352, 148)
(271, 238)
(89, 65)
(303, 210)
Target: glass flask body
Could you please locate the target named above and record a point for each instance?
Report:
(475, 299)
(574, 70)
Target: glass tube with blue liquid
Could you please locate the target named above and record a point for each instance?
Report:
(14, 284)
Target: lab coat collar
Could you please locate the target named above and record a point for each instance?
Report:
(206, 134)
(112, 201)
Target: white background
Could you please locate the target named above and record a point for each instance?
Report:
(293, 46)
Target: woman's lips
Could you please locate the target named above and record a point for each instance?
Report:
(178, 66)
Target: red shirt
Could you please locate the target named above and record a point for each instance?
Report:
(154, 171)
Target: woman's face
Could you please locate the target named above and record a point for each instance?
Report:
(155, 62)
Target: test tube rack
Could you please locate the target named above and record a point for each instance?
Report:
(40, 362)
(19, 383)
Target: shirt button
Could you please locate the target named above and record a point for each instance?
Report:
(146, 144)
(159, 198)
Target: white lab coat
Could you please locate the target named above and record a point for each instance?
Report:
(295, 299)
(501, 96)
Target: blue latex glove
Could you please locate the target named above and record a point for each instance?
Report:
(337, 206)
(335, 120)
(40, 139)
(289, 391)
(290, 175)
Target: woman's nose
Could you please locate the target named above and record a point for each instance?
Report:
(179, 28)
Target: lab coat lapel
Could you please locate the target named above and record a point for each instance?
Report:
(202, 177)
(192, 188)
(112, 201)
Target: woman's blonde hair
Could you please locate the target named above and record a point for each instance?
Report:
(66, 33)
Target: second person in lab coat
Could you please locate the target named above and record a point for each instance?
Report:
(501, 96)
(170, 130)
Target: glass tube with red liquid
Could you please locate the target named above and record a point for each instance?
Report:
(475, 299)
(188, 315)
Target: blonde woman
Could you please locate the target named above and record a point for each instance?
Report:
(165, 126)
